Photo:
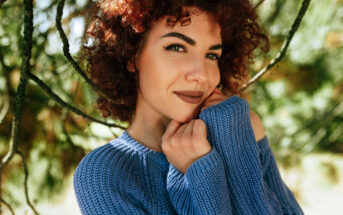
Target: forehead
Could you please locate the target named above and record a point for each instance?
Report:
(199, 25)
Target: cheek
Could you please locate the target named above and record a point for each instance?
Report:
(215, 78)
(156, 79)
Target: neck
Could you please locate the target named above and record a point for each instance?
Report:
(148, 127)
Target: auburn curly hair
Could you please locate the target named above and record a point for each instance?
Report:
(117, 30)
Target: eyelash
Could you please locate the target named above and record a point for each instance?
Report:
(172, 46)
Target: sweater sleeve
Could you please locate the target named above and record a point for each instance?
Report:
(230, 131)
(203, 189)
(273, 181)
(96, 189)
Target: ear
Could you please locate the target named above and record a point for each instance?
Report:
(130, 66)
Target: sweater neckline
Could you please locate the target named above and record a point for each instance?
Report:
(137, 146)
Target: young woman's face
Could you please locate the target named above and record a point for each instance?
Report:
(178, 67)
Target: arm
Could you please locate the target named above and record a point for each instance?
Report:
(233, 131)
(257, 126)
(203, 189)
(95, 187)
(230, 131)
(273, 181)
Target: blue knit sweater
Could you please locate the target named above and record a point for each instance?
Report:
(238, 176)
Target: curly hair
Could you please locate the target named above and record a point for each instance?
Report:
(117, 31)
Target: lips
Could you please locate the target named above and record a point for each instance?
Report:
(192, 97)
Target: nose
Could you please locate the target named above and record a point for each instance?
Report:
(197, 71)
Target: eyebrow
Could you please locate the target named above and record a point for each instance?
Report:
(190, 40)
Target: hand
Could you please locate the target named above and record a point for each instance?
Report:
(186, 143)
(215, 97)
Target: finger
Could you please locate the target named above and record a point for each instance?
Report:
(216, 90)
(171, 129)
(199, 128)
(215, 94)
(208, 99)
(209, 105)
(216, 100)
(181, 129)
(189, 128)
(215, 97)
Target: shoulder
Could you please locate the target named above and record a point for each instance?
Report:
(103, 165)
(257, 126)
(98, 156)
(95, 165)
(103, 177)
(105, 158)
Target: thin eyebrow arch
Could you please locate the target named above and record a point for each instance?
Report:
(190, 40)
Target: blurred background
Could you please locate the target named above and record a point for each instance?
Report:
(300, 101)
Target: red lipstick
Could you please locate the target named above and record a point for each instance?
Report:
(192, 97)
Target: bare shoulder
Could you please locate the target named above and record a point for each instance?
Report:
(257, 126)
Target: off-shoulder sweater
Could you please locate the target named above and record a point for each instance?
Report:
(238, 175)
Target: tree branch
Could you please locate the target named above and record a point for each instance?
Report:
(57, 99)
(2, 2)
(78, 12)
(6, 101)
(285, 45)
(5, 106)
(7, 205)
(20, 95)
(66, 53)
(69, 140)
(278, 6)
(258, 4)
(322, 119)
(26, 172)
(25, 69)
(6, 72)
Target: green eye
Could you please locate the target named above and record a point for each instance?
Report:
(175, 48)
(181, 48)
(213, 56)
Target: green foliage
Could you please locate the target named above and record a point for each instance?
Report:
(299, 100)
(46, 130)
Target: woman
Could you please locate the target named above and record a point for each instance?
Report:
(168, 67)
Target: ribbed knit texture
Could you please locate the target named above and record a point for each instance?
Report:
(238, 176)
